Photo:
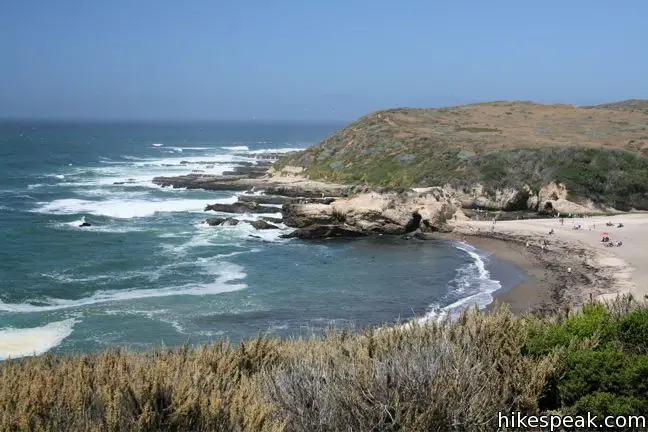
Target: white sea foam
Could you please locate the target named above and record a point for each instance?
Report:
(56, 176)
(140, 171)
(23, 342)
(152, 275)
(472, 279)
(125, 208)
(245, 231)
(129, 158)
(236, 148)
(110, 228)
(76, 223)
(157, 145)
(226, 272)
(276, 150)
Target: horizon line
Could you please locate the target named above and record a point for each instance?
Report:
(166, 120)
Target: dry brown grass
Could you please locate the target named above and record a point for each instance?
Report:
(501, 125)
(443, 377)
(204, 388)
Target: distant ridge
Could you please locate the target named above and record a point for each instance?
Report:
(630, 104)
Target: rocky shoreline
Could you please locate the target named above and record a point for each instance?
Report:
(320, 210)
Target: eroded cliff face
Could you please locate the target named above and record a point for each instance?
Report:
(550, 199)
(381, 212)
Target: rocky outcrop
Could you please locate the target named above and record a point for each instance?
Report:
(397, 212)
(262, 225)
(551, 198)
(257, 224)
(307, 191)
(208, 182)
(280, 200)
(303, 215)
(241, 207)
(296, 189)
(316, 231)
(222, 222)
(393, 213)
(249, 171)
(504, 199)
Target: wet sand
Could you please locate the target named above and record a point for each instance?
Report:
(573, 266)
(534, 291)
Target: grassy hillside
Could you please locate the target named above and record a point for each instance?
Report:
(451, 376)
(601, 154)
(630, 105)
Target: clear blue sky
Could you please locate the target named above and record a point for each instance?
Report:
(318, 59)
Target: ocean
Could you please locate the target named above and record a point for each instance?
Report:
(147, 273)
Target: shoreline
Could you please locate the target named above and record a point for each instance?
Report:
(571, 269)
(525, 296)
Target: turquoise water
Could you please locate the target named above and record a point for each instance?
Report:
(147, 272)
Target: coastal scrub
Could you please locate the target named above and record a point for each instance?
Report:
(448, 375)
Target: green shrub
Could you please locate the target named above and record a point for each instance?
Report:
(589, 371)
(603, 404)
(632, 331)
(593, 322)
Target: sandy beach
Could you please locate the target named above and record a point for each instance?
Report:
(573, 266)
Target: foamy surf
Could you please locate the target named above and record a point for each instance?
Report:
(473, 279)
(236, 148)
(76, 223)
(126, 208)
(23, 342)
(228, 272)
(276, 150)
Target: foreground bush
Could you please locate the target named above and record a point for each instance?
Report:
(450, 377)
(447, 376)
(604, 366)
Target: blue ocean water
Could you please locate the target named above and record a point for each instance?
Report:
(149, 273)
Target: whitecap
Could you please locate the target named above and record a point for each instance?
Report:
(157, 145)
(227, 272)
(126, 208)
(245, 231)
(236, 148)
(132, 158)
(23, 342)
(277, 150)
(76, 223)
(56, 176)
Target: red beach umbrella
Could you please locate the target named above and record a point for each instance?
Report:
(605, 234)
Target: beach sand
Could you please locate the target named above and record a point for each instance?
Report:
(574, 266)
(534, 291)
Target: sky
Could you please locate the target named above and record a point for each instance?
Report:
(311, 60)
